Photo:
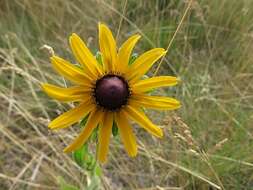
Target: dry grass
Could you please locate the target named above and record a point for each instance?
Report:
(208, 142)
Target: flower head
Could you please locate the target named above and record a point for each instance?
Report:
(109, 92)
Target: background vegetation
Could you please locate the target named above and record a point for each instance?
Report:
(208, 142)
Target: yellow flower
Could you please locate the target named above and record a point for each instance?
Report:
(109, 92)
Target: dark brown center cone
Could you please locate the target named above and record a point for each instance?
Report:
(111, 92)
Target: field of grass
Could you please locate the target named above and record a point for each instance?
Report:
(208, 142)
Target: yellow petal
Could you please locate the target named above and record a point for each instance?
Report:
(70, 72)
(84, 56)
(93, 120)
(107, 47)
(104, 136)
(72, 116)
(155, 102)
(125, 53)
(126, 134)
(76, 93)
(143, 63)
(154, 82)
(140, 118)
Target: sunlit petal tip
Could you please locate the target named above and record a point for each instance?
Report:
(176, 104)
(55, 59)
(136, 36)
(133, 154)
(66, 150)
(179, 105)
(43, 86)
(102, 160)
(160, 133)
(52, 126)
(72, 37)
(102, 25)
(106, 30)
(52, 58)
(160, 51)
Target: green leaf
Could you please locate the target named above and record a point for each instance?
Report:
(98, 170)
(115, 130)
(94, 134)
(80, 154)
(89, 164)
(64, 185)
(99, 58)
(84, 120)
(132, 58)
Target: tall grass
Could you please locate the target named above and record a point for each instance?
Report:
(208, 142)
